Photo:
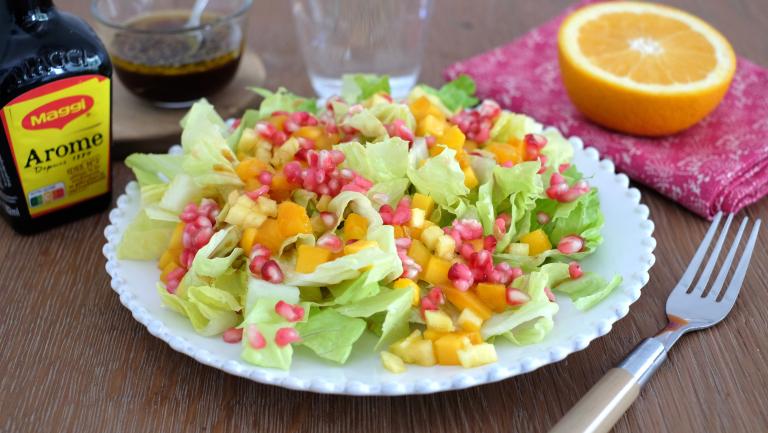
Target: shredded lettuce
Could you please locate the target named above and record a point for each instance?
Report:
(440, 177)
(455, 95)
(510, 126)
(377, 161)
(396, 304)
(589, 289)
(152, 169)
(330, 334)
(283, 100)
(145, 238)
(359, 87)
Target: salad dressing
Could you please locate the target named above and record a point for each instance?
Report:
(55, 108)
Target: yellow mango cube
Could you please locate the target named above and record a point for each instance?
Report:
(431, 125)
(431, 334)
(419, 253)
(447, 348)
(355, 227)
(464, 300)
(309, 257)
(167, 258)
(438, 321)
(453, 138)
(436, 271)
(537, 241)
(470, 178)
(292, 219)
(469, 320)
(359, 246)
(422, 106)
(407, 283)
(248, 239)
(423, 202)
(268, 234)
(400, 232)
(176, 238)
(504, 152)
(167, 270)
(493, 295)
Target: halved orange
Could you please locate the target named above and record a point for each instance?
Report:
(643, 68)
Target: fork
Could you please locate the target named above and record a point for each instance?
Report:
(688, 309)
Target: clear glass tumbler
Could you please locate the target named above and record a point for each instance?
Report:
(384, 37)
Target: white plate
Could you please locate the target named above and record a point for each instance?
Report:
(627, 250)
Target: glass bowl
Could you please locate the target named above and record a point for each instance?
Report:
(162, 54)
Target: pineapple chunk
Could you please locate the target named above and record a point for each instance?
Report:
(469, 320)
(267, 206)
(445, 247)
(431, 125)
(448, 346)
(477, 355)
(422, 352)
(359, 246)
(430, 235)
(418, 216)
(438, 321)
(400, 348)
(407, 283)
(392, 362)
(518, 249)
(285, 152)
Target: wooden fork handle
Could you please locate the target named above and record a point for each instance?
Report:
(609, 398)
(602, 406)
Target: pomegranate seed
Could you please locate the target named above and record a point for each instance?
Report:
(285, 336)
(403, 243)
(563, 167)
(430, 140)
(489, 243)
(257, 264)
(570, 244)
(279, 138)
(556, 179)
(265, 177)
(543, 161)
(232, 335)
(176, 274)
(556, 191)
(495, 277)
(188, 216)
(504, 271)
(328, 219)
(186, 257)
(386, 213)
(171, 286)
(203, 221)
(507, 164)
(265, 130)
(461, 276)
(289, 312)
(436, 295)
(466, 251)
(574, 270)
(259, 250)
(481, 259)
(550, 295)
(202, 237)
(516, 297)
(271, 272)
(292, 172)
(468, 229)
(516, 273)
(401, 215)
(489, 109)
(255, 338)
(258, 192)
(537, 141)
(542, 218)
(331, 242)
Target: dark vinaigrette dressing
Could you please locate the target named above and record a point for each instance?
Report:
(167, 66)
(55, 112)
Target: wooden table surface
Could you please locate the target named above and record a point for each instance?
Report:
(74, 360)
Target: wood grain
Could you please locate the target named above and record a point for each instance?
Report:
(74, 360)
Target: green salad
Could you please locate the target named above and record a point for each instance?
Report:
(441, 224)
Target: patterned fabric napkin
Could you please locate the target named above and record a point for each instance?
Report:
(719, 164)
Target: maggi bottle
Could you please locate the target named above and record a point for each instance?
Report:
(55, 109)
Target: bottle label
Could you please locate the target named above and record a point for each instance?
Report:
(59, 135)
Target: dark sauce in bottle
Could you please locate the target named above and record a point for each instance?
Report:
(158, 60)
(55, 111)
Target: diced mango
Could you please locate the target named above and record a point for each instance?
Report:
(407, 283)
(392, 362)
(400, 232)
(474, 336)
(470, 145)
(309, 257)
(469, 320)
(168, 269)
(268, 234)
(176, 238)
(311, 132)
(519, 146)
(431, 125)
(249, 168)
(504, 152)
(453, 138)
(436, 271)
(493, 295)
(431, 334)
(470, 179)
(419, 253)
(292, 219)
(280, 189)
(462, 158)
(247, 240)
(422, 106)
(537, 241)
(355, 227)
(423, 202)
(434, 151)
(477, 244)
(359, 246)
(438, 321)
(477, 354)
(447, 348)
(463, 300)
(167, 258)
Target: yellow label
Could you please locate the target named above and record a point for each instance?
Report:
(60, 137)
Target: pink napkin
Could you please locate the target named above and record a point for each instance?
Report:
(719, 164)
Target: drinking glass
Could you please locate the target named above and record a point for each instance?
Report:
(384, 37)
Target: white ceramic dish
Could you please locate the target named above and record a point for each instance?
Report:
(627, 250)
